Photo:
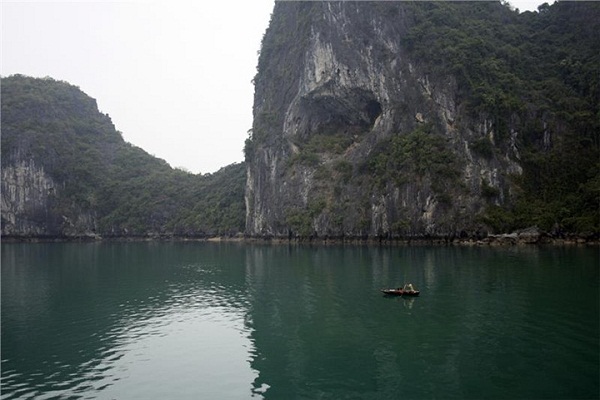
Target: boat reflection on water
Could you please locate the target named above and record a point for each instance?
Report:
(408, 302)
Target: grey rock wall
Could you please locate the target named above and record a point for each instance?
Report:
(32, 206)
(336, 72)
(26, 195)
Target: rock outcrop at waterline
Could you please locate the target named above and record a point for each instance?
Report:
(356, 136)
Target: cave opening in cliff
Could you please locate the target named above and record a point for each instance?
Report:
(373, 110)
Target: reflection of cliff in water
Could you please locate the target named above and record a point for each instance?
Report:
(321, 328)
(309, 330)
(115, 320)
(118, 301)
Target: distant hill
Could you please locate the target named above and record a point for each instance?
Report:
(425, 119)
(66, 172)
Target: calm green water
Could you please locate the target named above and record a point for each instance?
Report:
(235, 321)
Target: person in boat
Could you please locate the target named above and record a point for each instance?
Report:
(409, 287)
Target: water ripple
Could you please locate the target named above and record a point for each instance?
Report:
(309, 324)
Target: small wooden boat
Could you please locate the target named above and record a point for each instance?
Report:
(407, 290)
(400, 292)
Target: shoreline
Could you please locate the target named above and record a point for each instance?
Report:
(513, 239)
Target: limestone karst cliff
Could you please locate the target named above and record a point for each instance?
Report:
(371, 119)
(360, 129)
(68, 173)
(27, 197)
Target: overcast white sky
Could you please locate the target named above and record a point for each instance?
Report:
(174, 75)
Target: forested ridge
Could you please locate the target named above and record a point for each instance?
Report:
(536, 74)
(127, 191)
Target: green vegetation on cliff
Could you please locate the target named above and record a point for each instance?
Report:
(126, 191)
(370, 118)
(536, 75)
(425, 119)
(417, 153)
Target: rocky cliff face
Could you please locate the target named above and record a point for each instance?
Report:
(351, 137)
(43, 122)
(29, 205)
(68, 173)
(26, 190)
